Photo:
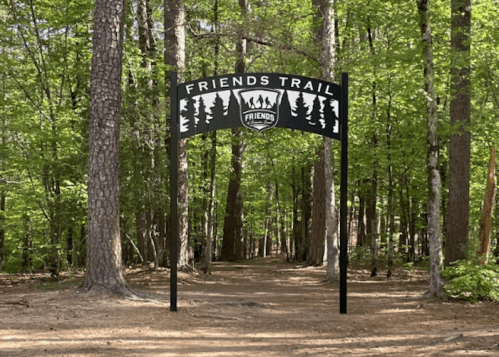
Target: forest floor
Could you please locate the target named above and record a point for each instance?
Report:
(260, 307)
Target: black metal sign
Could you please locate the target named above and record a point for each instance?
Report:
(259, 101)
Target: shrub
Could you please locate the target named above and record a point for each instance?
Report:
(471, 281)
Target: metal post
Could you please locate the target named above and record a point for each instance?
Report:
(173, 192)
(344, 193)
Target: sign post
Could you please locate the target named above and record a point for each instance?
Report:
(259, 101)
(173, 192)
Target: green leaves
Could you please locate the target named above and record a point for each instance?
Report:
(471, 281)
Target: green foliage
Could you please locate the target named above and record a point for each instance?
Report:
(471, 281)
(45, 70)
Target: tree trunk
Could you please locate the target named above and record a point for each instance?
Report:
(391, 215)
(2, 228)
(306, 209)
(361, 228)
(296, 221)
(460, 140)
(327, 38)
(232, 208)
(233, 222)
(3, 194)
(371, 222)
(488, 209)
(436, 284)
(317, 239)
(209, 234)
(333, 268)
(372, 225)
(175, 56)
(104, 264)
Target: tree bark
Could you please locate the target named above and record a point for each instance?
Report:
(435, 242)
(209, 234)
(361, 228)
(317, 239)
(104, 264)
(371, 223)
(3, 166)
(174, 19)
(306, 209)
(460, 140)
(488, 209)
(391, 215)
(233, 234)
(327, 38)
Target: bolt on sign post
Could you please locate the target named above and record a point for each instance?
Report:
(259, 101)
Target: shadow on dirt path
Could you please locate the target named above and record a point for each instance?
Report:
(260, 307)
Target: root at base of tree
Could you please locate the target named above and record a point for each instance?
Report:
(119, 290)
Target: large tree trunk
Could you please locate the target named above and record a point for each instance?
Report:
(3, 166)
(371, 223)
(104, 264)
(234, 205)
(460, 140)
(175, 56)
(436, 285)
(326, 37)
(233, 232)
(2, 228)
(488, 209)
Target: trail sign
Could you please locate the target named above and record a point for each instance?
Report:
(259, 101)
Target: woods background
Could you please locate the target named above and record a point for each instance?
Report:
(255, 194)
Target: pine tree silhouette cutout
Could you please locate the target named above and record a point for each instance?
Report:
(202, 125)
(217, 114)
(233, 114)
(188, 113)
(301, 109)
(315, 116)
(329, 114)
(285, 108)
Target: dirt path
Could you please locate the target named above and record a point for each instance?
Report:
(257, 308)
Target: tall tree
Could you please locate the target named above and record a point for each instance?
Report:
(435, 242)
(3, 164)
(460, 140)
(174, 22)
(104, 265)
(327, 39)
(233, 224)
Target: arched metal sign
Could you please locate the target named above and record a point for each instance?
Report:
(259, 101)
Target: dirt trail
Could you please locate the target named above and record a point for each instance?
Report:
(256, 308)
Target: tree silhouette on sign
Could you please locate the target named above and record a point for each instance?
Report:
(285, 108)
(329, 113)
(315, 116)
(233, 113)
(188, 113)
(301, 109)
(202, 125)
(217, 113)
